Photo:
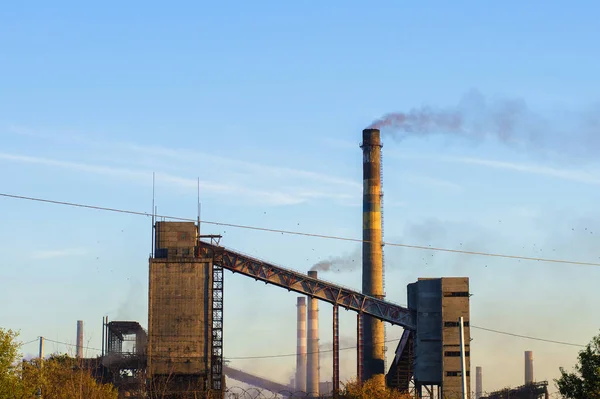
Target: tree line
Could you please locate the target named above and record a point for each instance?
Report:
(62, 377)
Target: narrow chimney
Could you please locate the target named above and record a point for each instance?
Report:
(79, 339)
(372, 256)
(301, 347)
(478, 383)
(528, 367)
(312, 370)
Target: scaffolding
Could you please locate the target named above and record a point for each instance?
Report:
(125, 357)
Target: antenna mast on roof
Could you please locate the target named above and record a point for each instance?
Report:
(199, 208)
(153, 212)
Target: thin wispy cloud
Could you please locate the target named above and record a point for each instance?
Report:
(566, 174)
(577, 175)
(269, 197)
(57, 253)
(187, 155)
(430, 181)
(259, 182)
(273, 171)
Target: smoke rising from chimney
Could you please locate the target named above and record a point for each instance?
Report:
(343, 263)
(510, 121)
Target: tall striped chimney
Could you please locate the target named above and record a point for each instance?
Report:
(79, 346)
(528, 367)
(312, 369)
(301, 347)
(478, 382)
(372, 258)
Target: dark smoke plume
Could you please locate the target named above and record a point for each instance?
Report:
(346, 263)
(510, 121)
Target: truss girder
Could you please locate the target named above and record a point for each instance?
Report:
(301, 283)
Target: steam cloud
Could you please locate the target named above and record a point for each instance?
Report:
(510, 121)
(348, 263)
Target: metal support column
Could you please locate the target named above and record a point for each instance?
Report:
(359, 347)
(463, 368)
(217, 329)
(336, 351)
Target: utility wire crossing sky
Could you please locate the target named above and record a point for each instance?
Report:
(345, 348)
(430, 248)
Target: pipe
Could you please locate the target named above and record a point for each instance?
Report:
(359, 348)
(79, 350)
(478, 382)
(336, 351)
(372, 256)
(312, 370)
(463, 366)
(528, 367)
(301, 346)
(41, 349)
(103, 328)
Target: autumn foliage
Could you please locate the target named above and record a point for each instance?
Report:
(370, 390)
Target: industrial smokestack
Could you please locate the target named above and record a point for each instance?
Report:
(301, 347)
(528, 367)
(372, 258)
(478, 383)
(79, 339)
(312, 369)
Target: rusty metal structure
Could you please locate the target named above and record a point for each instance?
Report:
(534, 390)
(124, 359)
(301, 283)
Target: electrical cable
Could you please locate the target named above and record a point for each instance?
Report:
(345, 348)
(298, 233)
(528, 337)
(68, 344)
(317, 236)
(30, 342)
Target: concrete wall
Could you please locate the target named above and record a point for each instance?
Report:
(175, 239)
(178, 309)
(455, 304)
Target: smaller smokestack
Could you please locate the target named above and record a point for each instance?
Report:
(478, 383)
(80, 339)
(301, 347)
(528, 367)
(312, 369)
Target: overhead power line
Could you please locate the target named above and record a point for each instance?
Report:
(30, 342)
(298, 233)
(528, 337)
(345, 348)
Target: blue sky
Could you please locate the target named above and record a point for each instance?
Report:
(265, 103)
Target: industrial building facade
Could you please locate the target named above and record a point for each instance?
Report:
(430, 356)
(179, 311)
